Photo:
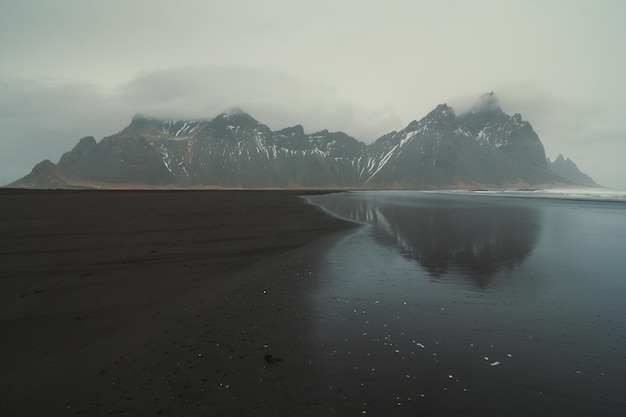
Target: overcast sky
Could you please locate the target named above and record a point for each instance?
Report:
(74, 68)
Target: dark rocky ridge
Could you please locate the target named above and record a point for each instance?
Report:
(482, 148)
(567, 169)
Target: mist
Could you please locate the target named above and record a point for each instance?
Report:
(364, 69)
(42, 119)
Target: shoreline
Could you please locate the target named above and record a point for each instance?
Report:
(259, 303)
(158, 303)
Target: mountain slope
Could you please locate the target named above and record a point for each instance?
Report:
(236, 150)
(121, 158)
(46, 175)
(436, 151)
(483, 147)
(567, 169)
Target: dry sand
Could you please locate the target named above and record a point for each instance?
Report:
(159, 303)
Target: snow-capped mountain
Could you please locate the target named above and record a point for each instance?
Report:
(484, 147)
(435, 151)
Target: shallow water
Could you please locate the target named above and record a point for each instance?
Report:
(453, 303)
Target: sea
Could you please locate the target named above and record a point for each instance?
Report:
(480, 303)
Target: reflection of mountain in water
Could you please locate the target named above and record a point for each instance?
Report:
(472, 236)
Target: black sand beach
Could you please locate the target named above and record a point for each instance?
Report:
(237, 303)
(157, 302)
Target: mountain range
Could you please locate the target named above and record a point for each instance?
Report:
(483, 147)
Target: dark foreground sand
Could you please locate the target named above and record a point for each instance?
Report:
(159, 303)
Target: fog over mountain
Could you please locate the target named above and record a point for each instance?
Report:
(483, 147)
(72, 69)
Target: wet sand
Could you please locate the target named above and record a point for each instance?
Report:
(470, 305)
(159, 303)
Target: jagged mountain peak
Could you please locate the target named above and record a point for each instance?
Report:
(442, 111)
(567, 169)
(140, 122)
(517, 119)
(442, 116)
(161, 129)
(486, 114)
(297, 130)
(87, 141)
(560, 159)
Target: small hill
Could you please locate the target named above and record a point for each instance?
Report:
(567, 169)
(46, 175)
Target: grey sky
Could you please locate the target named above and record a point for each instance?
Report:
(71, 68)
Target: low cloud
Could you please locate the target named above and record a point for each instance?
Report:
(274, 98)
(589, 131)
(42, 119)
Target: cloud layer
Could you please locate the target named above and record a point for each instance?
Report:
(76, 68)
(41, 120)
